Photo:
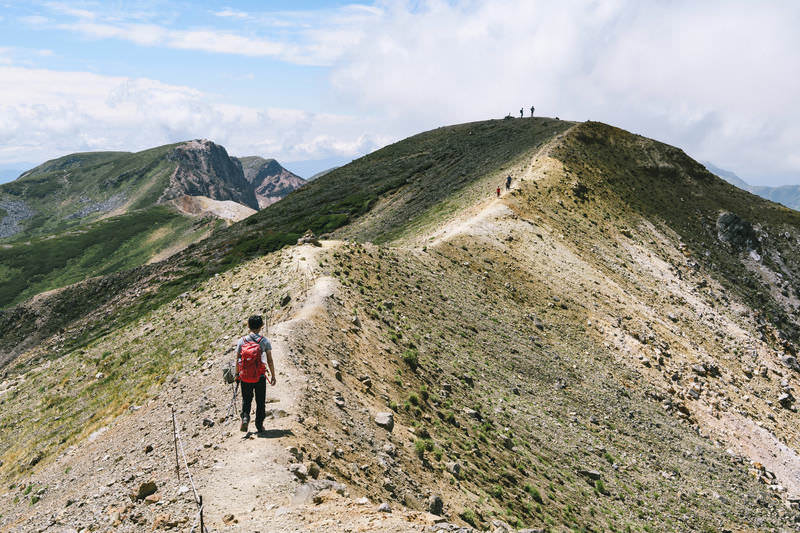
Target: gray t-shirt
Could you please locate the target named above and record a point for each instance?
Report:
(265, 345)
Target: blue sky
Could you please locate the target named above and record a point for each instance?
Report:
(315, 84)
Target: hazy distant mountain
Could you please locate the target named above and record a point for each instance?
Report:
(11, 171)
(788, 195)
(320, 174)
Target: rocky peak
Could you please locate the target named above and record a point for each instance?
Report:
(269, 179)
(205, 169)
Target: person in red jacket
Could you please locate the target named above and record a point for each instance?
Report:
(253, 356)
(498, 192)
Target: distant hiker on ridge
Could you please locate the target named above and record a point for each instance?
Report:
(253, 355)
(498, 191)
(508, 182)
(532, 109)
(520, 112)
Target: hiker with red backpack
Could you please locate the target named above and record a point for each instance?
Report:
(253, 356)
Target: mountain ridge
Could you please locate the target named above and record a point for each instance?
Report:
(596, 348)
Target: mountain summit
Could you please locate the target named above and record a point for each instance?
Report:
(269, 180)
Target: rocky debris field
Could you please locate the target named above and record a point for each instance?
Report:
(12, 212)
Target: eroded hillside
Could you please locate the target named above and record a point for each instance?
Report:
(607, 346)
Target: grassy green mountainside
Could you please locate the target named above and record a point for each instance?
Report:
(91, 214)
(71, 190)
(608, 346)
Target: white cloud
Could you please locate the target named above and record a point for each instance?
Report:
(67, 9)
(231, 13)
(34, 20)
(718, 78)
(45, 113)
(301, 37)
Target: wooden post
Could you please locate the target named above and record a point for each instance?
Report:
(202, 525)
(175, 442)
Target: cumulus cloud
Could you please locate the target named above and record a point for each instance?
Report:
(45, 113)
(716, 78)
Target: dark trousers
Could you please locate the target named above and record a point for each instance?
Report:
(260, 389)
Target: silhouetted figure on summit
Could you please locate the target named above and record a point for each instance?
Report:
(520, 112)
(532, 109)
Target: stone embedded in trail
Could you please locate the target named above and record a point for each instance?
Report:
(145, 490)
(454, 468)
(306, 492)
(785, 399)
(594, 475)
(498, 526)
(309, 238)
(207, 422)
(299, 470)
(790, 362)
(385, 420)
(338, 399)
(148, 448)
(472, 413)
(448, 527)
(384, 508)
(435, 505)
(164, 521)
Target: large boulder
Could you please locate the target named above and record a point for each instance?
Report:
(385, 420)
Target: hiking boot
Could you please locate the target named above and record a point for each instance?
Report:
(260, 428)
(245, 423)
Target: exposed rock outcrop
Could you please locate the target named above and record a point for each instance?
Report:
(269, 179)
(205, 169)
(737, 232)
(15, 212)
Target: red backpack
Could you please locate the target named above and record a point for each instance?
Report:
(249, 365)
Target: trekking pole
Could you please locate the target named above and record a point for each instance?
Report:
(175, 442)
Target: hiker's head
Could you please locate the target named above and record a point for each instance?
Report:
(255, 322)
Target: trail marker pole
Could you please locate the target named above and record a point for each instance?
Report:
(202, 525)
(175, 442)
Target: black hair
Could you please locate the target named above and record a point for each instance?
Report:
(255, 322)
